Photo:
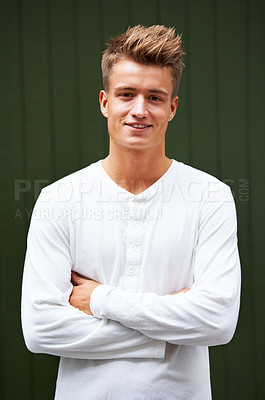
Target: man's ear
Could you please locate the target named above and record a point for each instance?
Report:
(173, 108)
(103, 100)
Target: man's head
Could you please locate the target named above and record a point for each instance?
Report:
(154, 45)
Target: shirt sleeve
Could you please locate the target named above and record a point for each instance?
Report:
(50, 324)
(207, 314)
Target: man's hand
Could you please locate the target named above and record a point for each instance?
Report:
(81, 293)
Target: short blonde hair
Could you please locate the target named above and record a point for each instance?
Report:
(154, 45)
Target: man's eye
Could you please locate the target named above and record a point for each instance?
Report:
(125, 95)
(154, 98)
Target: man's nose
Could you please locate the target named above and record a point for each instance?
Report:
(139, 109)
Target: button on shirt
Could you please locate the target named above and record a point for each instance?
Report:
(141, 342)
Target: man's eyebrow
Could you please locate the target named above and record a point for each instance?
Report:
(124, 88)
(157, 91)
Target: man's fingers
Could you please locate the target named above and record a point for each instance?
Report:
(77, 279)
(181, 291)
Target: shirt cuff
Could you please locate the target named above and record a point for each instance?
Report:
(160, 349)
(97, 300)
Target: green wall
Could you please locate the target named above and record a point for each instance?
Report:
(51, 125)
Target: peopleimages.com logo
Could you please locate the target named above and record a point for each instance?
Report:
(63, 192)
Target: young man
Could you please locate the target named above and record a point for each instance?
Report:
(132, 268)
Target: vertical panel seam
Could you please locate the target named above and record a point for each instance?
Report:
(51, 87)
(218, 151)
(188, 74)
(24, 148)
(102, 40)
(217, 89)
(2, 377)
(249, 212)
(22, 97)
(77, 85)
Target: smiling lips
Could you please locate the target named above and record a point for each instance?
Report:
(138, 126)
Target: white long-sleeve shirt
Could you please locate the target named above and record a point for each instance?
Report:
(141, 342)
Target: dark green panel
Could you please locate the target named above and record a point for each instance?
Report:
(177, 139)
(114, 21)
(145, 12)
(2, 310)
(88, 53)
(36, 86)
(44, 376)
(115, 14)
(202, 81)
(203, 129)
(232, 85)
(63, 74)
(256, 143)
(218, 373)
(14, 357)
(39, 143)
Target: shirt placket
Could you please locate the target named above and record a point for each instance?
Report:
(134, 245)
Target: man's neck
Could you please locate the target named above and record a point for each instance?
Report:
(135, 171)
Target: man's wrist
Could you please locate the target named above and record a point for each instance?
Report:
(98, 300)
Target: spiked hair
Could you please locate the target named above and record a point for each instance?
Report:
(154, 45)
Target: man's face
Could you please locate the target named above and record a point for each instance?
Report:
(138, 105)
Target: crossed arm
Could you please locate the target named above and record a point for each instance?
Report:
(96, 321)
(82, 291)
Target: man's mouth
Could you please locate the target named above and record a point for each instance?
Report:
(138, 126)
